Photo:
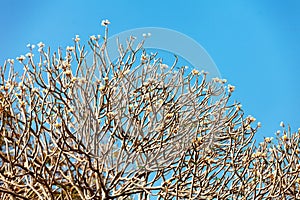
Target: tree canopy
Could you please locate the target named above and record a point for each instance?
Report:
(82, 126)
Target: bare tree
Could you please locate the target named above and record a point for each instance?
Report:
(72, 128)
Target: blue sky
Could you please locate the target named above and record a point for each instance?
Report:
(255, 44)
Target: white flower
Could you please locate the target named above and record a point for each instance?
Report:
(126, 71)
(268, 139)
(238, 107)
(77, 38)
(70, 48)
(146, 35)
(281, 124)
(21, 58)
(28, 45)
(93, 37)
(169, 115)
(204, 72)
(105, 22)
(11, 61)
(261, 144)
(144, 58)
(102, 87)
(251, 119)
(195, 72)
(285, 137)
(41, 45)
(68, 72)
(74, 79)
(29, 55)
(110, 114)
(163, 66)
(35, 90)
(216, 79)
(231, 88)
(258, 124)
(32, 46)
(20, 85)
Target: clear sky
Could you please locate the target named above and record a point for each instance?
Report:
(255, 44)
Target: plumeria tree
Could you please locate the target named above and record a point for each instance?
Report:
(83, 126)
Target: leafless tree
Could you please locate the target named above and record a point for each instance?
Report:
(75, 126)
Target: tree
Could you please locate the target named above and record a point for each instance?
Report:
(130, 128)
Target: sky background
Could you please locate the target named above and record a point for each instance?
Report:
(255, 44)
